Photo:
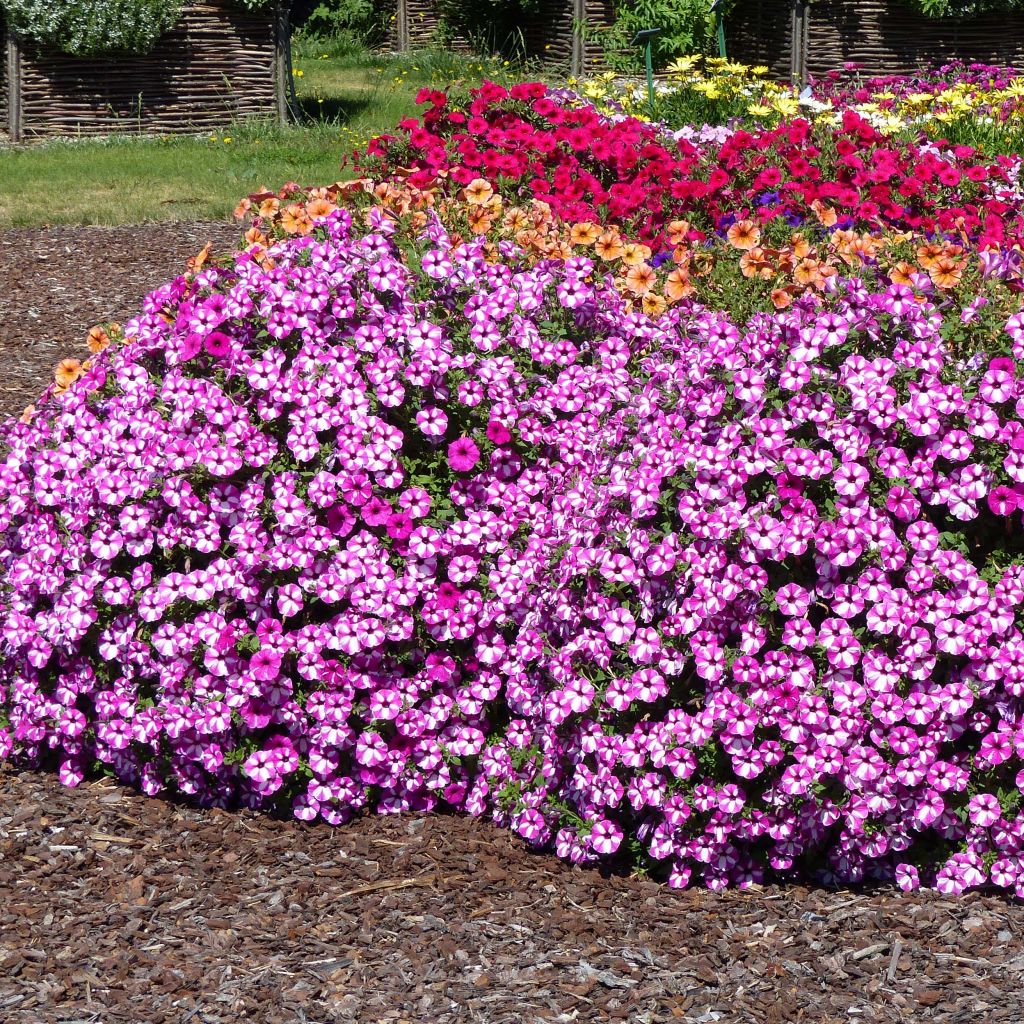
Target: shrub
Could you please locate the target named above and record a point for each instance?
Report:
(92, 28)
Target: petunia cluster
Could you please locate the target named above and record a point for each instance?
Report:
(532, 142)
(379, 518)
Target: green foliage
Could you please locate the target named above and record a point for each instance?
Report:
(93, 28)
(962, 8)
(342, 27)
(90, 28)
(687, 27)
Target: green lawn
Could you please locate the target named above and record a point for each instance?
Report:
(124, 180)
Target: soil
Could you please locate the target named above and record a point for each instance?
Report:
(119, 908)
(56, 283)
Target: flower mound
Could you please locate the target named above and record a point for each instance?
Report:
(359, 524)
(267, 548)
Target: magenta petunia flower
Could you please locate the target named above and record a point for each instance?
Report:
(265, 665)
(463, 454)
(498, 433)
(218, 344)
(376, 511)
(399, 525)
(1002, 500)
(448, 596)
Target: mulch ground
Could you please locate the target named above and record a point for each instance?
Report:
(56, 283)
(119, 908)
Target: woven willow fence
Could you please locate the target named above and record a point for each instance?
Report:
(219, 63)
(553, 33)
(797, 38)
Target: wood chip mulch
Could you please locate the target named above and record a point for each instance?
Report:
(56, 283)
(119, 908)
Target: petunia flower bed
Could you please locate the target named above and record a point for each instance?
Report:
(391, 516)
(531, 140)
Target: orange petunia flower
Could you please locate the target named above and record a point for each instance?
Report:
(800, 247)
(196, 262)
(634, 253)
(67, 372)
(641, 278)
(320, 207)
(807, 272)
(269, 208)
(929, 255)
(744, 234)
(901, 273)
(946, 273)
(754, 263)
(27, 413)
(243, 207)
(653, 305)
(677, 231)
(609, 246)
(584, 233)
(478, 192)
(255, 237)
(97, 339)
(782, 297)
(825, 214)
(516, 219)
(678, 286)
(480, 220)
(295, 220)
(681, 255)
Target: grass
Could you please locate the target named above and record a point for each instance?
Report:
(127, 180)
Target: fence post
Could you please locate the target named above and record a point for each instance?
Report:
(578, 52)
(282, 70)
(799, 36)
(13, 57)
(402, 27)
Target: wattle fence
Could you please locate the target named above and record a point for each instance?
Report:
(556, 33)
(798, 38)
(217, 64)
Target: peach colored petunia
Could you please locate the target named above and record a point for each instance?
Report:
(653, 305)
(609, 246)
(782, 297)
(634, 253)
(946, 272)
(755, 263)
(97, 339)
(320, 207)
(66, 373)
(902, 273)
(744, 234)
(478, 192)
(584, 233)
(825, 214)
(641, 278)
(480, 220)
(198, 261)
(295, 220)
(677, 231)
(678, 286)
(807, 272)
